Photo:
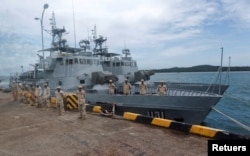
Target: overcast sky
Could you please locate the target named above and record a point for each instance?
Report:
(159, 33)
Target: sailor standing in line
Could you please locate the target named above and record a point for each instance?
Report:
(143, 88)
(25, 93)
(28, 94)
(38, 94)
(20, 92)
(59, 100)
(32, 97)
(46, 95)
(162, 88)
(126, 87)
(80, 93)
(14, 91)
(112, 87)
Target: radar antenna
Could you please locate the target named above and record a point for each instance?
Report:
(57, 33)
(98, 43)
(126, 52)
(84, 44)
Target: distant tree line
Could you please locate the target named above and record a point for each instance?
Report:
(201, 68)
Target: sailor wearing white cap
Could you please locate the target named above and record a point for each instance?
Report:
(20, 92)
(14, 91)
(162, 88)
(32, 99)
(126, 87)
(38, 94)
(46, 95)
(80, 93)
(143, 87)
(112, 87)
(25, 93)
(59, 100)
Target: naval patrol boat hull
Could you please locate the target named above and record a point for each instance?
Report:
(189, 107)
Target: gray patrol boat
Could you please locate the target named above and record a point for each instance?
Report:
(93, 68)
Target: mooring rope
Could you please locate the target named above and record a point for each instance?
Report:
(237, 122)
(236, 98)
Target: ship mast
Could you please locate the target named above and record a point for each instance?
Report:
(98, 43)
(220, 70)
(57, 33)
(126, 52)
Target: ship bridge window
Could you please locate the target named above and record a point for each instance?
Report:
(107, 64)
(113, 64)
(127, 63)
(117, 64)
(66, 61)
(133, 64)
(94, 61)
(76, 60)
(89, 61)
(59, 82)
(70, 61)
(82, 61)
(122, 63)
(82, 81)
(60, 60)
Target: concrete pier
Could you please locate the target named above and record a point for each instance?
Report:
(30, 131)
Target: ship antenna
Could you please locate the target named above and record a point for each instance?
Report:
(74, 21)
(229, 66)
(94, 32)
(220, 69)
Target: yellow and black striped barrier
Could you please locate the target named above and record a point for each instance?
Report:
(171, 124)
(185, 127)
(71, 101)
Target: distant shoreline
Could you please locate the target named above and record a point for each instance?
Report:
(201, 68)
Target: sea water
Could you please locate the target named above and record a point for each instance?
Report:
(234, 107)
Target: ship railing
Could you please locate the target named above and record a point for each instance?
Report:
(181, 92)
(153, 91)
(176, 92)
